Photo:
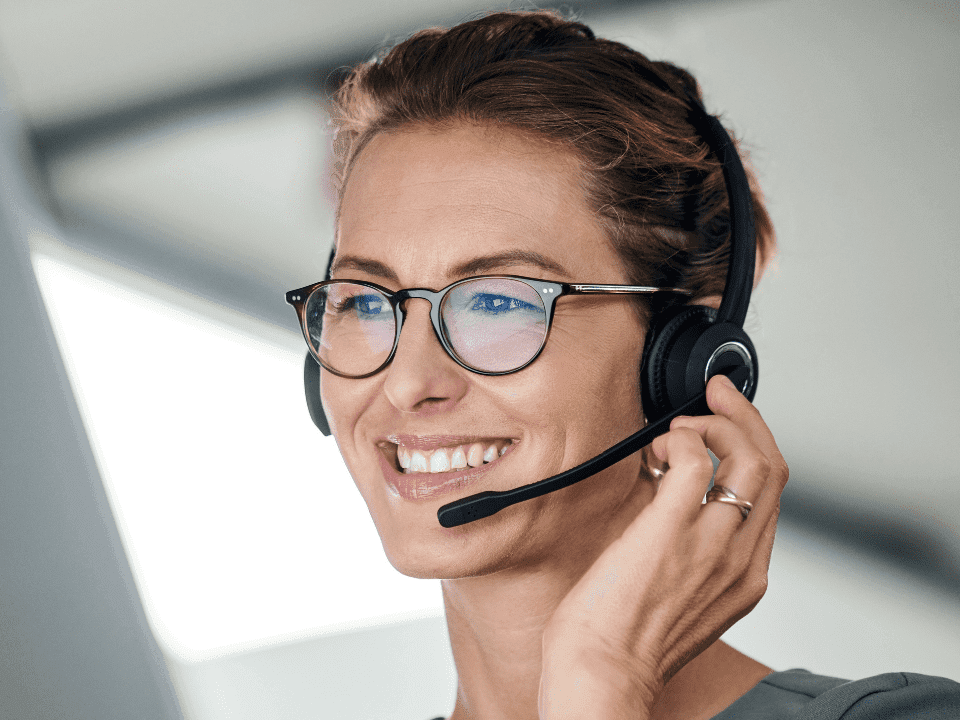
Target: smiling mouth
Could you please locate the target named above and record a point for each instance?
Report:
(451, 458)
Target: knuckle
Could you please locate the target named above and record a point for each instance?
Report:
(780, 470)
(684, 435)
(758, 588)
(686, 440)
(750, 591)
(758, 465)
(702, 465)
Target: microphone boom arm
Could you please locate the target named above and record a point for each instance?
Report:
(487, 503)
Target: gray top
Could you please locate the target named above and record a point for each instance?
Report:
(801, 695)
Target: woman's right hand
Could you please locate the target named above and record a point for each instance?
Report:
(680, 575)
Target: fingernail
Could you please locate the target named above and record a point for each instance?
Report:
(727, 381)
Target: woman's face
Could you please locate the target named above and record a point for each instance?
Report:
(423, 208)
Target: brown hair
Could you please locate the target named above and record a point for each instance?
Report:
(656, 188)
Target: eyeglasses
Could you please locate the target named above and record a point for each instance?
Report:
(491, 325)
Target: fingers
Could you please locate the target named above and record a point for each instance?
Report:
(750, 462)
(743, 466)
(690, 471)
(726, 401)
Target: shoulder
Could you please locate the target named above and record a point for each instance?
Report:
(801, 695)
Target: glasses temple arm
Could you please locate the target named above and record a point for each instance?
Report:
(585, 289)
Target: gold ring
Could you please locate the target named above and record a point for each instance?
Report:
(720, 493)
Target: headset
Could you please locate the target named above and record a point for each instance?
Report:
(685, 346)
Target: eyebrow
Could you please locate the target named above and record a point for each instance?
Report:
(476, 266)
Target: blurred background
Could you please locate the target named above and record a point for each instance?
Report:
(178, 541)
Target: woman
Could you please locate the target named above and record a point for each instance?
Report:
(518, 144)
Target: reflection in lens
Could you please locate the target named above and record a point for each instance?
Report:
(495, 324)
(351, 327)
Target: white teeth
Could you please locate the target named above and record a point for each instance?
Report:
(459, 459)
(418, 463)
(439, 461)
(475, 455)
(446, 459)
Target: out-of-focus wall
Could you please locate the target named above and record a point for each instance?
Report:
(848, 112)
(847, 109)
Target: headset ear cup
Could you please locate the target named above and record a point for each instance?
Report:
(720, 349)
(663, 371)
(311, 386)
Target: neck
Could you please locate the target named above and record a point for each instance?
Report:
(496, 621)
(496, 625)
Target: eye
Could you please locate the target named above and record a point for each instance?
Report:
(370, 304)
(367, 305)
(498, 304)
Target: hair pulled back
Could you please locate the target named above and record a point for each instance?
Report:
(657, 189)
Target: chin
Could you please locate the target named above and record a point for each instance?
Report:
(432, 563)
(430, 551)
(525, 534)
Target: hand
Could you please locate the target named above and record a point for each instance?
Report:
(680, 575)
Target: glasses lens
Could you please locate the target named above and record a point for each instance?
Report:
(494, 325)
(351, 327)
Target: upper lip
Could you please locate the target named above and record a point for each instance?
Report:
(432, 442)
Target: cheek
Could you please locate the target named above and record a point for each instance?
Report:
(344, 401)
(580, 393)
(603, 369)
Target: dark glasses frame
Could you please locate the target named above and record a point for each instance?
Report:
(546, 290)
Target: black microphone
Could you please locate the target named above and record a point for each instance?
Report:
(488, 503)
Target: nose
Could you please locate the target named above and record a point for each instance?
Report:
(422, 378)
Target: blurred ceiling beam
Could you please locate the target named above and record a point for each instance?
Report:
(83, 70)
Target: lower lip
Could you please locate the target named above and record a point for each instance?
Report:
(425, 486)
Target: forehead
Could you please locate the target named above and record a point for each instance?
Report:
(424, 201)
